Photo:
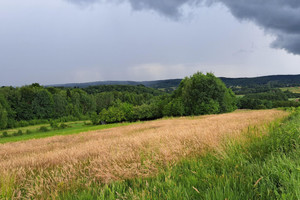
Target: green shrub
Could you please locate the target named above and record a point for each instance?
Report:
(174, 108)
(88, 123)
(38, 121)
(119, 112)
(95, 118)
(63, 126)
(23, 123)
(28, 132)
(20, 132)
(68, 118)
(53, 124)
(4, 134)
(43, 129)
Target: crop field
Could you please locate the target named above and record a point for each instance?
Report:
(43, 168)
(291, 89)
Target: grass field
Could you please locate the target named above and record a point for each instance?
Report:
(263, 166)
(56, 167)
(291, 89)
(35, 133)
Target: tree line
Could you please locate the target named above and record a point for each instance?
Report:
(33, 104)
(196, 95)
(273, 98)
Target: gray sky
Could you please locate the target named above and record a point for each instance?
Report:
(62, 41)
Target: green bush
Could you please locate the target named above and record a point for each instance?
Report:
(4, 134)
(53, 124)
(174, 108)
(95, 118)
(23, 123)
(117, 113)
(143, 112)
(88, 123)
(63, 126)
(68, 118)
(20, 132)
(43, 129)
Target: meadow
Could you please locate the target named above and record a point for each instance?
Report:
(264, 166)
(291, 89)
(138, 161)
(45, 130)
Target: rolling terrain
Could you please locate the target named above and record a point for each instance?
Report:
(277, 80)
(46, 168)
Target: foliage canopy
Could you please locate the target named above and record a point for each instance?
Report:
(205, 94)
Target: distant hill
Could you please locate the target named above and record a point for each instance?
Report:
(274, 80)
(137, 89)
(153, 84)
(171, 84)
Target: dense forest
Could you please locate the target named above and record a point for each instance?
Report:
(273, 81)
(195, 95)
(272, 98)
(33, 104)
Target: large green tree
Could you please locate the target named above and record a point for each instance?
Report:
(205, 94)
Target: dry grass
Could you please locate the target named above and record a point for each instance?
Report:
(41, 168)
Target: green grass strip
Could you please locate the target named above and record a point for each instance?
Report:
(74, 129)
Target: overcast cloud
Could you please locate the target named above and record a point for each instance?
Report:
(279, 17)
(61, 41)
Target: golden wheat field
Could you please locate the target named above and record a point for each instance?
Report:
(41, 168)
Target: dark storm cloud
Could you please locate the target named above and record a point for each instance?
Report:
(290, 42)
(281, 18)
(278, 17)
(169, 8)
